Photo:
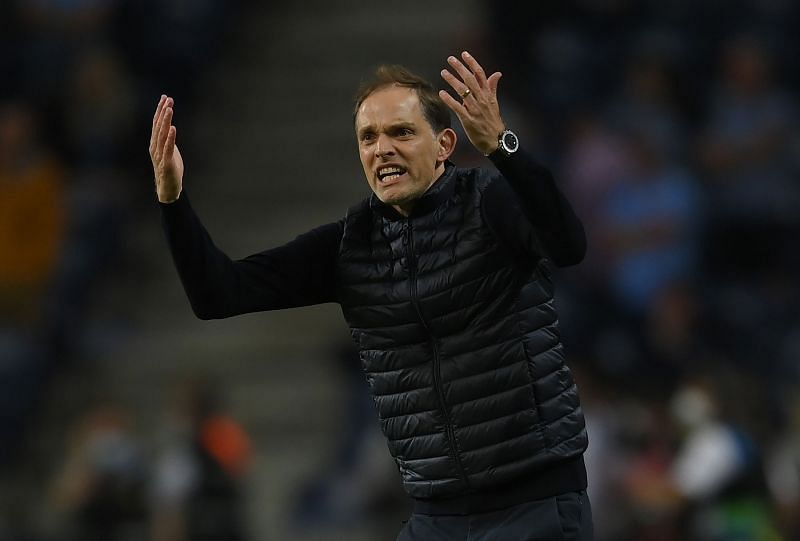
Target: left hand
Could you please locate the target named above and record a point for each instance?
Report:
(478, 111)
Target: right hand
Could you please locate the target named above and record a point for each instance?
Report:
(478, 109)
(166, 158)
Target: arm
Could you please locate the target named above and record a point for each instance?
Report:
(299, 273)
(558, 228)
(296, 274)
(532, 186)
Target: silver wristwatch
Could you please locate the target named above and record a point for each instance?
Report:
(507, 143)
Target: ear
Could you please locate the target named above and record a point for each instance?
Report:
(447, 144)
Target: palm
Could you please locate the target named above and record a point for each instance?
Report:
(173, 171)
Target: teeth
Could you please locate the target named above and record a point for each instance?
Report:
(390, 177)
(389, 172)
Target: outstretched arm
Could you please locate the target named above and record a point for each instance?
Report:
(543, 204)
(299, 273)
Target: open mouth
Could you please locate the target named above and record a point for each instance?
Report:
(389, 174)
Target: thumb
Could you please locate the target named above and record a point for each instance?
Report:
(493, 79)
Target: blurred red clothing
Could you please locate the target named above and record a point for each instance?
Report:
(227, 443)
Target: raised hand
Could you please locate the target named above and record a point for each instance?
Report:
(478, 109)
(166, 158)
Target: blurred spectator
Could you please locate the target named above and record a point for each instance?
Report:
(783, 471)
(595, 160)
(99, 109)
(607, 457)
(56, 32)
(648, 101)
(746, 151)
(672, 332)
(649, 502)
(100, 490)
(98, 216)
(651, 219)
(197, 489)
(718, 469)
(711, 486)
(32, 217)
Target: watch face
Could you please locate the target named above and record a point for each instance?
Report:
(510, 141)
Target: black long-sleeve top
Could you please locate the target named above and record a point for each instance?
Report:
(302, 272)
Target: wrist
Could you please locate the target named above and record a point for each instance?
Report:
(489, 150)
(507, 143)
(167, 198)
(493, 141)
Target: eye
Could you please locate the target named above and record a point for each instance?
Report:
(405, 132)
(367, 137)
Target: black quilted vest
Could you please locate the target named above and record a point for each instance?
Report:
(459, 341)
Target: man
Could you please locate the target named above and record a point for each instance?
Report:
(443, 276)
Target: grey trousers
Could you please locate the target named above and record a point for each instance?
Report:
(566, 517)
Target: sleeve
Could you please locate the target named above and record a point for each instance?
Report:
(299, 273)
(529, 186)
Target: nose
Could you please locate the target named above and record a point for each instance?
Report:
(383, 146)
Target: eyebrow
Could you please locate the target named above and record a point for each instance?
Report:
(403, 124)
(394, 126)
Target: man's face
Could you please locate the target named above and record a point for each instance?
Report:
(400, 153)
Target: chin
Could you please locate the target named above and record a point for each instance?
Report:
(393, 198)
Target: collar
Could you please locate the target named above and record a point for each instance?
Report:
(436, 194)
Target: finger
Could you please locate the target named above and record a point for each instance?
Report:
(159, 107)
(476, 68)
(454, 82)
(154, 136)
(456, 106)
(166, 124)
(169, 144)
(163, 130)
(155, 122)
(159, 111)
(466, 75)
(494, 78)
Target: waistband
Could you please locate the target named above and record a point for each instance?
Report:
(565, 476)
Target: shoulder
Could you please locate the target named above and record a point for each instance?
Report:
(476, 180)
(483, 183)
(357, 221)
(357, 212)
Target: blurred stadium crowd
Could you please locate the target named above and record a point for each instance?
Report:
(672, 126)
(76, 78)
(674, 130)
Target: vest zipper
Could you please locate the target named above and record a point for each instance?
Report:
(437, 376)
